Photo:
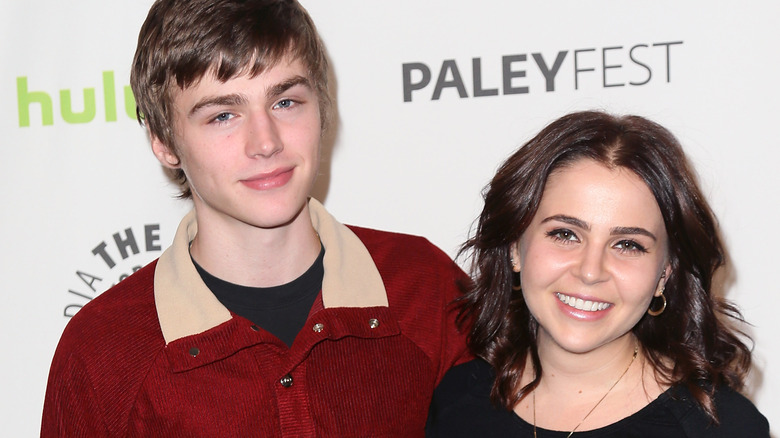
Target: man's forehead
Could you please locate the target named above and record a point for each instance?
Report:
(209, 90)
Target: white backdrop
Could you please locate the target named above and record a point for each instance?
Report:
(85, 203)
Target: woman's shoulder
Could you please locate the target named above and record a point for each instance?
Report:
(470, 378)
(464, 387)
(737, 415)
(461, 405)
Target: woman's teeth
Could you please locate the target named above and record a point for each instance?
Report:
(580, 304)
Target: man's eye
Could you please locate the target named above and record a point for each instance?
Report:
(284, 103)
(223, 117)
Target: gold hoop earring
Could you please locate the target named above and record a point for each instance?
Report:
(652, 312)
(516, 286)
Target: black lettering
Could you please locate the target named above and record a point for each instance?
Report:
(636, 61)
(152, 237)
(80, 294)
(123, 244)
(668, 57)
(606, 67)
(410, 86)
(101, 251)
(510, 74)
(442, 82)
(577, 69)
(71, 310)
(92, 279)
(476, 66)
(549, 74)
(134, 268)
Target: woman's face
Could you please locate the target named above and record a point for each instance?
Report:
(593, 256)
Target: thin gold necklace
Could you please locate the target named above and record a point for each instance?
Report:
(533, 394)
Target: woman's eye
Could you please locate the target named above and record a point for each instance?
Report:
(630, 246)
(563, 234)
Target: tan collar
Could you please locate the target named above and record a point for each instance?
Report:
(185, 306)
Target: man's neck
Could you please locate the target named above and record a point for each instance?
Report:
(257, 257)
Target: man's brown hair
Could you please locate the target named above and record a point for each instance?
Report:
(183, 40)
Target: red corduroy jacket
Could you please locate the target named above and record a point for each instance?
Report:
(159, 356)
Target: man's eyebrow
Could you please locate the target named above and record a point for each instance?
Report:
(280, 88)
(225, 100)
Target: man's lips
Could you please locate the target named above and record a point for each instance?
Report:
(269, 180)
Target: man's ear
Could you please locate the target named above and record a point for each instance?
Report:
(164, 154)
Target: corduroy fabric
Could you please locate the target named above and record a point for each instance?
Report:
(113, 374)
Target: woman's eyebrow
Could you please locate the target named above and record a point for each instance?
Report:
(569, 220)
(632, 230)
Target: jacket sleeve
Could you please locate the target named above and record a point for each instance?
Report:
(422, 284)
(70, 408)
(454, 350)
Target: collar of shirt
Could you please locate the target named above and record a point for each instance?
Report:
(185, 306)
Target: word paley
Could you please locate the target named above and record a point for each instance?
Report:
(613, 66)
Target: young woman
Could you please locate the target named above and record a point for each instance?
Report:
(592, 307)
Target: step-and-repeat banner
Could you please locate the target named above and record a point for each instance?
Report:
(432, 96)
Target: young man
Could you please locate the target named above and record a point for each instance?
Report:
(266, 316)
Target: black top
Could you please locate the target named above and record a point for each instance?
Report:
(461, 408)
(280, 310)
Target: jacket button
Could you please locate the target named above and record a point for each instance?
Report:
(373, 323)
(318, 327)
(194, 351)
(255, 328)
(286, 381)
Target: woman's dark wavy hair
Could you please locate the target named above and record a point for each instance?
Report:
(693, 342)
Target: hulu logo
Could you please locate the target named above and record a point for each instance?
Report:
(30, 100)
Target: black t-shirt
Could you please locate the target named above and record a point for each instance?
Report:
(461, 407)
(281, 310)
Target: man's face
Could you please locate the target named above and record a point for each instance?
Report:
(249, 146)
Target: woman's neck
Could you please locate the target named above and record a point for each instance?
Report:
(562, 365)
(593, 389)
